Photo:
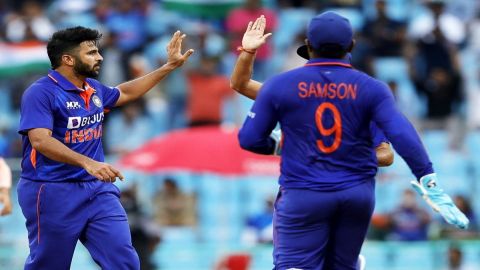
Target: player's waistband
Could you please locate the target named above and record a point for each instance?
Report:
(323, 186)
(59, 181)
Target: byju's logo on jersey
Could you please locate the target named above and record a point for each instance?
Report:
(73, 105)
(78, 121)
(74, 122)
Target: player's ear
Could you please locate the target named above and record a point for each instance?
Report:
(68, 60)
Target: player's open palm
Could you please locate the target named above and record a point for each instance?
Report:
(255, 35)
(103, 171)
(174, 50)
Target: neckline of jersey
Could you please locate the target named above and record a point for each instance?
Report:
(332, 63)
(66, 84)
(342, 62)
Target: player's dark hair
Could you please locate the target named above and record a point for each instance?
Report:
(329, 50)
(64, 41)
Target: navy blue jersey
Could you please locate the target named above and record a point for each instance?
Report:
(325, 110)
(74, 116)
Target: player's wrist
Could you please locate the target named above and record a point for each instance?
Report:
(247, 50)
(4, 190)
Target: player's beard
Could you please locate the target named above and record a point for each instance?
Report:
(83, 69)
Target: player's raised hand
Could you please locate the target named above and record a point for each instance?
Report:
(103, 171)
(255, 36)
(174, 50)
(428, 188)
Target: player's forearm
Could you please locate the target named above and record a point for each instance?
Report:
(401, 133)
(264, 146)
(57, 151)
(384, 155)
(136, 88)
(241, 79)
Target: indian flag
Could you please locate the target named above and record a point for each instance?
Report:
(17, 59)
(203, 8)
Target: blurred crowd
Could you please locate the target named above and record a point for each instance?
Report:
(426, 50)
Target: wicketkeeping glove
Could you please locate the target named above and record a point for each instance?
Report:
(276, 135)
(428, 188)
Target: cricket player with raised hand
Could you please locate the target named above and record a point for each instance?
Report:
(328, 165)
(242, 82)
(66, 190)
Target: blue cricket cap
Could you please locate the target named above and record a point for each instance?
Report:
(327, 28)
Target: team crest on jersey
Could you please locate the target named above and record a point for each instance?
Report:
(97, 101)
(73, 105)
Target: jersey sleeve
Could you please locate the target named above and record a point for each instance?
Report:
(110, 95)
(254, 135)
(399, 131)
(377, 135)
(36, 110)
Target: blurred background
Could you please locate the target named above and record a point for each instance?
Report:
(198, 218)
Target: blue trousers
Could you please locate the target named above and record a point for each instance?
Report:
(59, 214)
(315, 230)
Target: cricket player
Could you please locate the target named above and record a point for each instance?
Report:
(241, 81)
(328, 165)
(5, 185)
(66, 191)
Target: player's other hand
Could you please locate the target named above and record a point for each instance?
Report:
(255, 36)
(103, 171)
(428, 188)
(6, 201)
(174, 50)
(276, 135)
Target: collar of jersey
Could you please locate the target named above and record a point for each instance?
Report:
(329, 62)
(62, 81)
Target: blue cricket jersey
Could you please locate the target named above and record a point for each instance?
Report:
(74, 116)
(325, 109)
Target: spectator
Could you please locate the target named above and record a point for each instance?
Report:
(207, 92)
(127, 26)
(144, 237)
(173, 207)
(386, 36)
(30, 25)
(451, 27)
(128, 129)
(435, 72)
(409, 222)
(455, 259)
(259, 229)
